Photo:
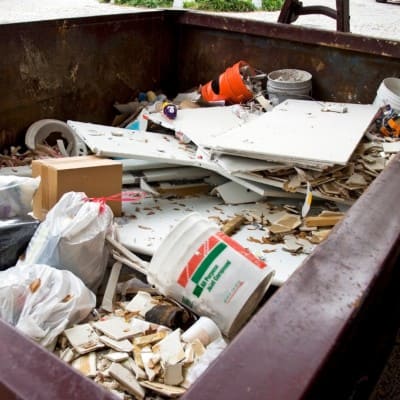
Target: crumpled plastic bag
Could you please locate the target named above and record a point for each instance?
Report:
(15, 234)
(16, 194)
(42, 301)
(72, 237)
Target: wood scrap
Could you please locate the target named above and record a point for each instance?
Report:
(318, 221)
(233, 224)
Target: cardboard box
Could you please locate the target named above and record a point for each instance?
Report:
(97, 177)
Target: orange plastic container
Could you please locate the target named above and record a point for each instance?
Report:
(229, 86)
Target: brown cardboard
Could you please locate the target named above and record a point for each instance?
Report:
(97, 177)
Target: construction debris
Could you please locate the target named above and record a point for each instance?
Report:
(138, 362)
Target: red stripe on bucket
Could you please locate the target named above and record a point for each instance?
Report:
(240, 249)
(196, 260)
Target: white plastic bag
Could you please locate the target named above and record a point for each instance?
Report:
(72, 237)
(42, 301)
(16, 194)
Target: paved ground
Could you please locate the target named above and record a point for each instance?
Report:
(367, 16)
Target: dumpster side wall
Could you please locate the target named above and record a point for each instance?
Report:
(77, 68)
(340, 303)
(345, 68)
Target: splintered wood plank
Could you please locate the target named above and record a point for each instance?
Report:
(329, 220)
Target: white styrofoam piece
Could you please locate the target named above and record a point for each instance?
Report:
(202, 124)
(297, 130)
(154, 218)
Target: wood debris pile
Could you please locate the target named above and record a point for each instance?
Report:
(284, 225)
(16, 157)
(343, 183)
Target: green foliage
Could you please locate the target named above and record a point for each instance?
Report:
(207, 5)
(272, 5)
(224, 5)
(146, 3)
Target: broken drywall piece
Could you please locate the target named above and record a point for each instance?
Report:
(108, 298)
(166, 390)
(233, 193)
(150, 339)
(319, 236)
(127, 380)
(171, 348)
(285, 224)
(147, 188)
(83, 338)
(68, 355)
(140, 325)
(135, 165)
(86, 364)
(321, 137)
(391, 147)
(117, 345)
(172, 373)
(291, 244)
(141, 303)
(151, 362)
(116, 328)
(235, 164)
(139, 373)
(201, 124)
(134, 144)
(307, 247)
(115, 356)
(175, 173)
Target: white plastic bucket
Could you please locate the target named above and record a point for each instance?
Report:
(210, 273)
(288, 84)
(388, 93)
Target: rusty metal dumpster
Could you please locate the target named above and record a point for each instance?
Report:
(327, 331)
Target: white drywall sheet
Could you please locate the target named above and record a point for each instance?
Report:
(202, 124)
(298, 130)
(111, 141)
(108, 141)
(148, 222)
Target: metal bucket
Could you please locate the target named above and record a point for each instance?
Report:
(288, 84)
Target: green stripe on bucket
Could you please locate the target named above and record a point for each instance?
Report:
(201, 270)
(198, 290)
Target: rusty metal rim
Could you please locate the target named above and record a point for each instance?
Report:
(341, 40)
